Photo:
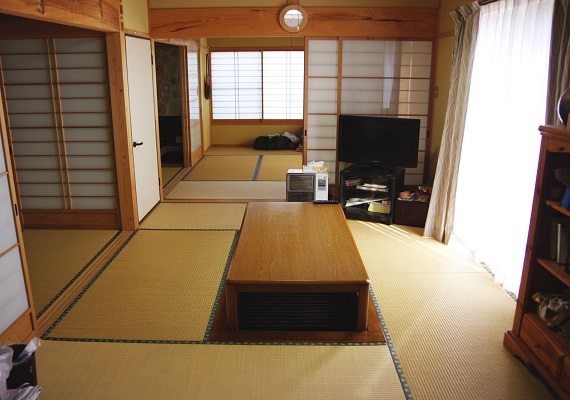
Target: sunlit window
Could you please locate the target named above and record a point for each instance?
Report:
(257, 85)
(504, 111)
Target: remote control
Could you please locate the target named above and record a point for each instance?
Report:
(325, 201)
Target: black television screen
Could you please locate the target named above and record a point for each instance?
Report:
(380, 142)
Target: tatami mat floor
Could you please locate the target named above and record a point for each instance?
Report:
(125, 371)
(56, 257)
(228, 191)
(265, 166)
(444, 314)
(158, 288)
(224, 168)
(195, 216)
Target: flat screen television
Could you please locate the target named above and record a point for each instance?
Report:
(378, 142)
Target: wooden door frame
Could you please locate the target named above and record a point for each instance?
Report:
(122, 134)
(190, 158)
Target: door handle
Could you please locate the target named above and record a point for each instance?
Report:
(135, 144)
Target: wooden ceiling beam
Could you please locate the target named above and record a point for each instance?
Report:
(101, 15)
(322, 21)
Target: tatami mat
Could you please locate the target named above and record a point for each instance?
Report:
(446, 317)
(275, 167)
(407, 255)
(238, 151)
(72, 370)
(55, 257)
(224, 168)
(159, 287)
(229, 190)
(195, 216)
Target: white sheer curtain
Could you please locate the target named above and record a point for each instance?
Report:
(390, 72)
(441, 213)
(501, 142)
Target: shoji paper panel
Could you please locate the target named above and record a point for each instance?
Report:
(59, 117)
(94, 203)
(13, 297)
(389, 78)
(370, 58)
(323, 58)
(31, 111)
(41, 190)
(323, 130)
(3, 167)
(321, 121)
(322, 95)
(369, 96)
(7, 227)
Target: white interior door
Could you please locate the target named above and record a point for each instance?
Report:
(142, 105)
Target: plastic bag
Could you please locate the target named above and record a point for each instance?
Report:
(6, 354)
(26, 392)
(29, 350)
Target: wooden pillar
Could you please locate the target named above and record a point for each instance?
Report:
(116, 58)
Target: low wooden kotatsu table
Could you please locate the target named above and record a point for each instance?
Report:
(296, 267)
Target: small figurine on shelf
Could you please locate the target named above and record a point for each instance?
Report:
(553, 309)
(423, 193)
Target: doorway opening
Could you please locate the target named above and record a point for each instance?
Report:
(169, 91)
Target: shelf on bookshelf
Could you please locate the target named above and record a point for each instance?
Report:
(556, 205)
(547, 350)
(555, 269)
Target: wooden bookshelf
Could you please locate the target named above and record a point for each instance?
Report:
(532, 339)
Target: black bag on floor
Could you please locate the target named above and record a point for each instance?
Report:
(271, 143)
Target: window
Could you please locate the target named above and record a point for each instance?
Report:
(500, 151)
(257, 85)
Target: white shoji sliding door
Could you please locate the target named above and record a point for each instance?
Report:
(377, 77)
(59, 121)
(370, 77)
(390, 78)
(321, 105)
(13, 295)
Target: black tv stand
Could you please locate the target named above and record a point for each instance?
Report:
(369, 194)
(379, 170)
